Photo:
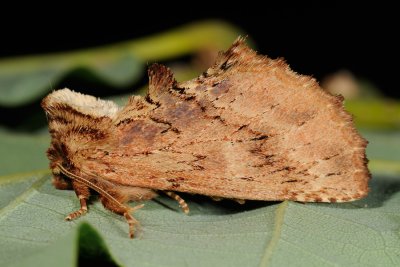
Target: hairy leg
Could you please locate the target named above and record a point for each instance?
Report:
(83, 193)
(182, 203)
(121, 195)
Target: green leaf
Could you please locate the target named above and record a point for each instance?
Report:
(22, 152)
(375, 113)
(33, 230)
(61, 253)
(25, 79)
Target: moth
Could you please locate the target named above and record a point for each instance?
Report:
(248, 128)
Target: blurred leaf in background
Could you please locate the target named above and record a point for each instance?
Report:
(371, 110)
(23, 80)
(32, 226)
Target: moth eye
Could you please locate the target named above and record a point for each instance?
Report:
(56, 171)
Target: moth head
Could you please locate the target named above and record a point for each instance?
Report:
(76, 122)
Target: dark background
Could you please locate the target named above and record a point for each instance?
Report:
(314, 39)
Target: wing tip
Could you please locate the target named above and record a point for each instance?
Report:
(160, 75)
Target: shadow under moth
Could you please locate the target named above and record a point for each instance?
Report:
(248, 128)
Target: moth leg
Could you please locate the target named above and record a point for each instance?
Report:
(83, 193)
(216, 198)
(182, 203)
(132, 221)
(121, 209)
(240, 201)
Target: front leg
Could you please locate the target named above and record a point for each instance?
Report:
(83, 193)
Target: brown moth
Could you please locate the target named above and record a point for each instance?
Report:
(248, 128)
